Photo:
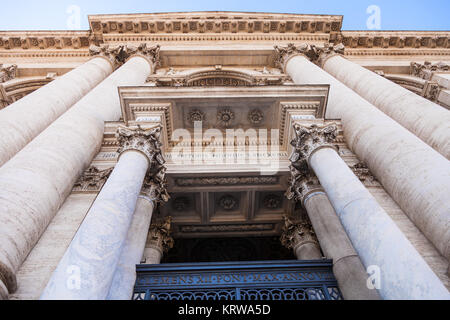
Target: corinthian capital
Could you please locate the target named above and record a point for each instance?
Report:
(309, 139)
(145, 140)
(284, 53)
(320, 54)
(302, 184)
(159, 236)
(155, 185)
(119, 54)
(7, 73)
(298, 233)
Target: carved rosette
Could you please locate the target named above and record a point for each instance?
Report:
(196, 116)
(225, 117)
(228, 202)
(301, 184)
(298, 233)
(308, 139)
(119, 54)
(159, 236)
(92, 179)
(7, 73)
(256, 116)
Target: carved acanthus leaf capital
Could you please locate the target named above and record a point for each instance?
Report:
(119, 54)
(320, 54)
(308, 139)
(301, 184)
(159, 235)
(284, 53)
(155, 185)
(297, 233)
(145, 140)
(7, 73)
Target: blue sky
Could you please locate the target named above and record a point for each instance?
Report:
(395, 14)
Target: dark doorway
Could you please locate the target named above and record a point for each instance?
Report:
(227, 250)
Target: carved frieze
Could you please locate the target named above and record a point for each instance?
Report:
(425, 71)
(226, 228)
(92, 180)
(227, 181)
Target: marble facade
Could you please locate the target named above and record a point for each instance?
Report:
(338, 142)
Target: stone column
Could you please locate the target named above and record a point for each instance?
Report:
(377, 239)
(36, 182)
(415, 175)
(153, 193)
(24, 119)
(426, 119)
(96, 248)
(300, 237)
(159, 241)
(347, 267)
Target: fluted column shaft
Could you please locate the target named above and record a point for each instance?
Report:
(377, 239)
(415, 175)
(132, 251)
(23, 120)
(96, 248)
(35, 183)
(427, 120)
(347, 267)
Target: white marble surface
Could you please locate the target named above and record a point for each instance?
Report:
(96, 248)
(37, 180)
(125, 274)
(415, 175)
(376, 238)
(24, 119)
(424, 118)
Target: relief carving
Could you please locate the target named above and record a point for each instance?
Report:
(92, 179)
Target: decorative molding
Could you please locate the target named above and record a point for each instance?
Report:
(49, 40)
(92, 180)
(7, 72)
(159, 236)
(227, 228)
(227, 181)
(296, 234)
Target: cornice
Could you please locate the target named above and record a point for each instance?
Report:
(214, 22)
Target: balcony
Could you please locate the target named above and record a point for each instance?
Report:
(262, 280)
